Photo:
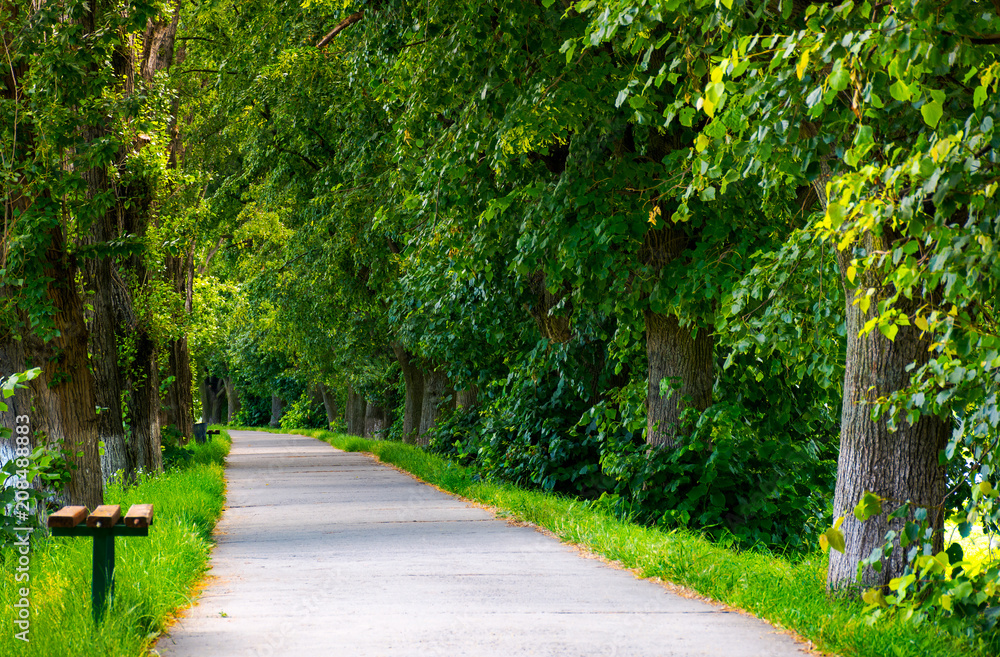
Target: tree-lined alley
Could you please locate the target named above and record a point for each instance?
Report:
(723, 265)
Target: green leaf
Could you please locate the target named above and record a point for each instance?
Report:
(900, 91)
(875, 597)
(932, 112)
(839, 77)
(835, 212)
(865, 136)
(889, 330)
(870, 505)
(979, 96)
(833, 538)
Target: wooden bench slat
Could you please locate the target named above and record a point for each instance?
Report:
(139, 515)
(106, 515)
(68, 516)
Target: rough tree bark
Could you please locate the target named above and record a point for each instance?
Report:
(413, 380)
(64, 395)
(233, 404)
(687, 363)
(110, 300)
(356, 406)
(142, 389)
(467, 398)
(277, 410)
(552, 321)
(159, 48)
(143, 401)
(158, 43)
(178, 407)
(375, 421)
(898, 465)
(685, 359)
(435, 391)
(159, 53)
(329, 405)
(212, 388)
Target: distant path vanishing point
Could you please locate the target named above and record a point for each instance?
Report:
(322, 552)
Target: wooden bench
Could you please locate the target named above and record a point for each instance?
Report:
(103, 525)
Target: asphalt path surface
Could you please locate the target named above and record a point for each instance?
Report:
(322, 552)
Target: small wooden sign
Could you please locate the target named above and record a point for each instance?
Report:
(68, 516)
(106, 515)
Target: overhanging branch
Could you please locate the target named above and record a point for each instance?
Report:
(341, 26)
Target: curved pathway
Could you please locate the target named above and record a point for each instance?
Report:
(322, 552)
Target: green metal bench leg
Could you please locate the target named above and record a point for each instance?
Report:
(103, 586)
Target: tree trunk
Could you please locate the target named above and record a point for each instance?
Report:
(900, 465)
(218, 396)
(211, 389)
(179, 407)
(277, 410)
(435, 391)
(232, 399)
(329, 404)
(374, 421)
(388, 416)
(550, 312)
(158, 44)
(158, 55)
(468, 398)
(349, 409)
(107, 372)
(143, 401)
(203, 394)
(413, 380)
(316, 395)
(687, 364)
(142, 387)
(110, 301)
(356, 406)
(64, 396)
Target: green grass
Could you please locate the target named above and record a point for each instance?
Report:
(789, 592)
(154, 575)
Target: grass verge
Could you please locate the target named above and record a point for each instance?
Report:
(154, 575)
(788, 592)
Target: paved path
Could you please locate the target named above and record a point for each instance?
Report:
(323, 552)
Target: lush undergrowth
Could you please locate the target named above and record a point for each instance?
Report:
(154, 575)
(788, 591)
